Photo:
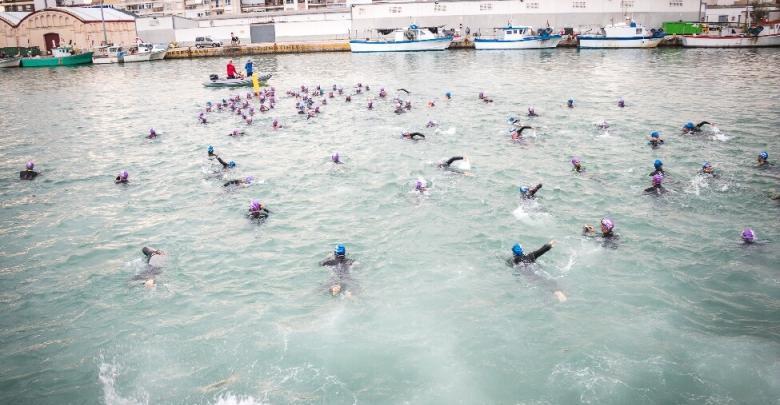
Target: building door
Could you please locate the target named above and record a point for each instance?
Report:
(52, 40)
(262, 33)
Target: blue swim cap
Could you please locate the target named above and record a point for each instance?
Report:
(211, 149)
(341, 250)
(658, 163)
(689, 125)
(655, 134)
(517, 249)
(231, 164)
(763, 155)
(523, 189)
(705, 165)
(448, 94)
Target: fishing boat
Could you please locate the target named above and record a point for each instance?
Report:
(108, 54)
(757, 36)
(519, 37)
(216, 82)
(157, 51)
(623, 35)
(137, 53)
(63, 55)
(10, 62)
(412, 38)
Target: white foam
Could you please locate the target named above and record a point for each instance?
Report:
(107, 376)
(230, 399)
(448, 131)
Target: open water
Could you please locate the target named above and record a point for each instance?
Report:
(680, 312)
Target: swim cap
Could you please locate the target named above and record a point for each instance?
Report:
(231, 164)
(607, 223)
(575, 161)
(657, 179)
(123, 175)
(211, 149)
(655, 134)
(335, 157)
(706, 165)
(249, 179)
(340, 250)
(448, 94)
(763, 155)
(151, 131)
(517, 249)
(30, 165)
(689, 125)
(658, 163)
(523, 189)
(420, 184)
(570, 102)
(254, 206)
(748, 235)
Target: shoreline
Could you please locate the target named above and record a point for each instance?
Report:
(322, 46)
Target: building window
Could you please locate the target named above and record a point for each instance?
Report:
(485, 6)
(579, 4)
(627, 3)
(675, 3)
(532, 5)
(395, 10)
(723, 18)
(440, 8)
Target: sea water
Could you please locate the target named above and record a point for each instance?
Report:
(678, 311)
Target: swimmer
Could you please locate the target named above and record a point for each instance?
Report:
(408, 105)
(431, 124)
(577, 165)
(659, 168)
(689, 128)
(657, 188)
(405, 91)
(370, 105)
(154, 257)
(202, 118)
(122, 177)
(339, 257)
(517, 133)
(257, 210)
(520, 257)
(412, 135)
(621, 103)
(421, 186)
(276, 124)
(28, 173)
(431, 103)
(603, 125)
(237, 182)
(532, 112)
(607, 229)
(348, 99)
(152, 134)
(448, 95)
(445, 164)
(335, 158)
(155, 260)
(748, 236)
(229, 165)
(570, 103)
(530, 193)
(707, 169)
(382, 93)
(763, 159)
(655, 140)
(236, 132)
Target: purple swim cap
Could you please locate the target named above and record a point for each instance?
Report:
(123, 175)
(249, 179)
(575, 161)
(254, 206)
(335, 157)
(748, 235)
(30, 165)
(607, 223)
(657, 179)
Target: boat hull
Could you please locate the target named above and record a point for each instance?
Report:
(597, 41)
(9, 62)
(105, 60)
(229, 83)
(525, 43)
(158, 55)
(437, 44)
(731, 41)
(138, 57)
(80, 59)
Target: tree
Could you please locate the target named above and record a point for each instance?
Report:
(759, 11)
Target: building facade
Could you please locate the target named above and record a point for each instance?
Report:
(81, 27)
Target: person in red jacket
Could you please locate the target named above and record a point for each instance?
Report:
(231, 70)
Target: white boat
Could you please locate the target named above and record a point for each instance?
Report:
(137, 54)
(10, 62)
(412, 38)
(622, 35)
(759, 36)
(108, 54)
(519, 37)
(158, 51)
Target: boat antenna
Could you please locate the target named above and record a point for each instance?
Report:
(103, 19)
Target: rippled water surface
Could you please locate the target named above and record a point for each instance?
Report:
(679, 312)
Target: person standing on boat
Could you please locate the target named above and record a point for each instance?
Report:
(249, 67)
(231, 70)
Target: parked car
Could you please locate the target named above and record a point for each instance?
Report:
(206, 42)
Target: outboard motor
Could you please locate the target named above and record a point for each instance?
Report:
(213, 77)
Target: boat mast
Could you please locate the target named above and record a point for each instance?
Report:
(103, 19)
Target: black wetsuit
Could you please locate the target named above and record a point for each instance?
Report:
(337, 260)
(120, 181)
(450, 160)
(532, 191)
(655, 142)
(222, 162)
(655, 190)
(411, 135)
(234, 182)
(262, 214)
(520, 130)
(531, 257)
(27, 174)
(657, 171)
(701, 124)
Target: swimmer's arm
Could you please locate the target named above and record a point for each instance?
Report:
(542, 250)
(219, 159)
(452, 159)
